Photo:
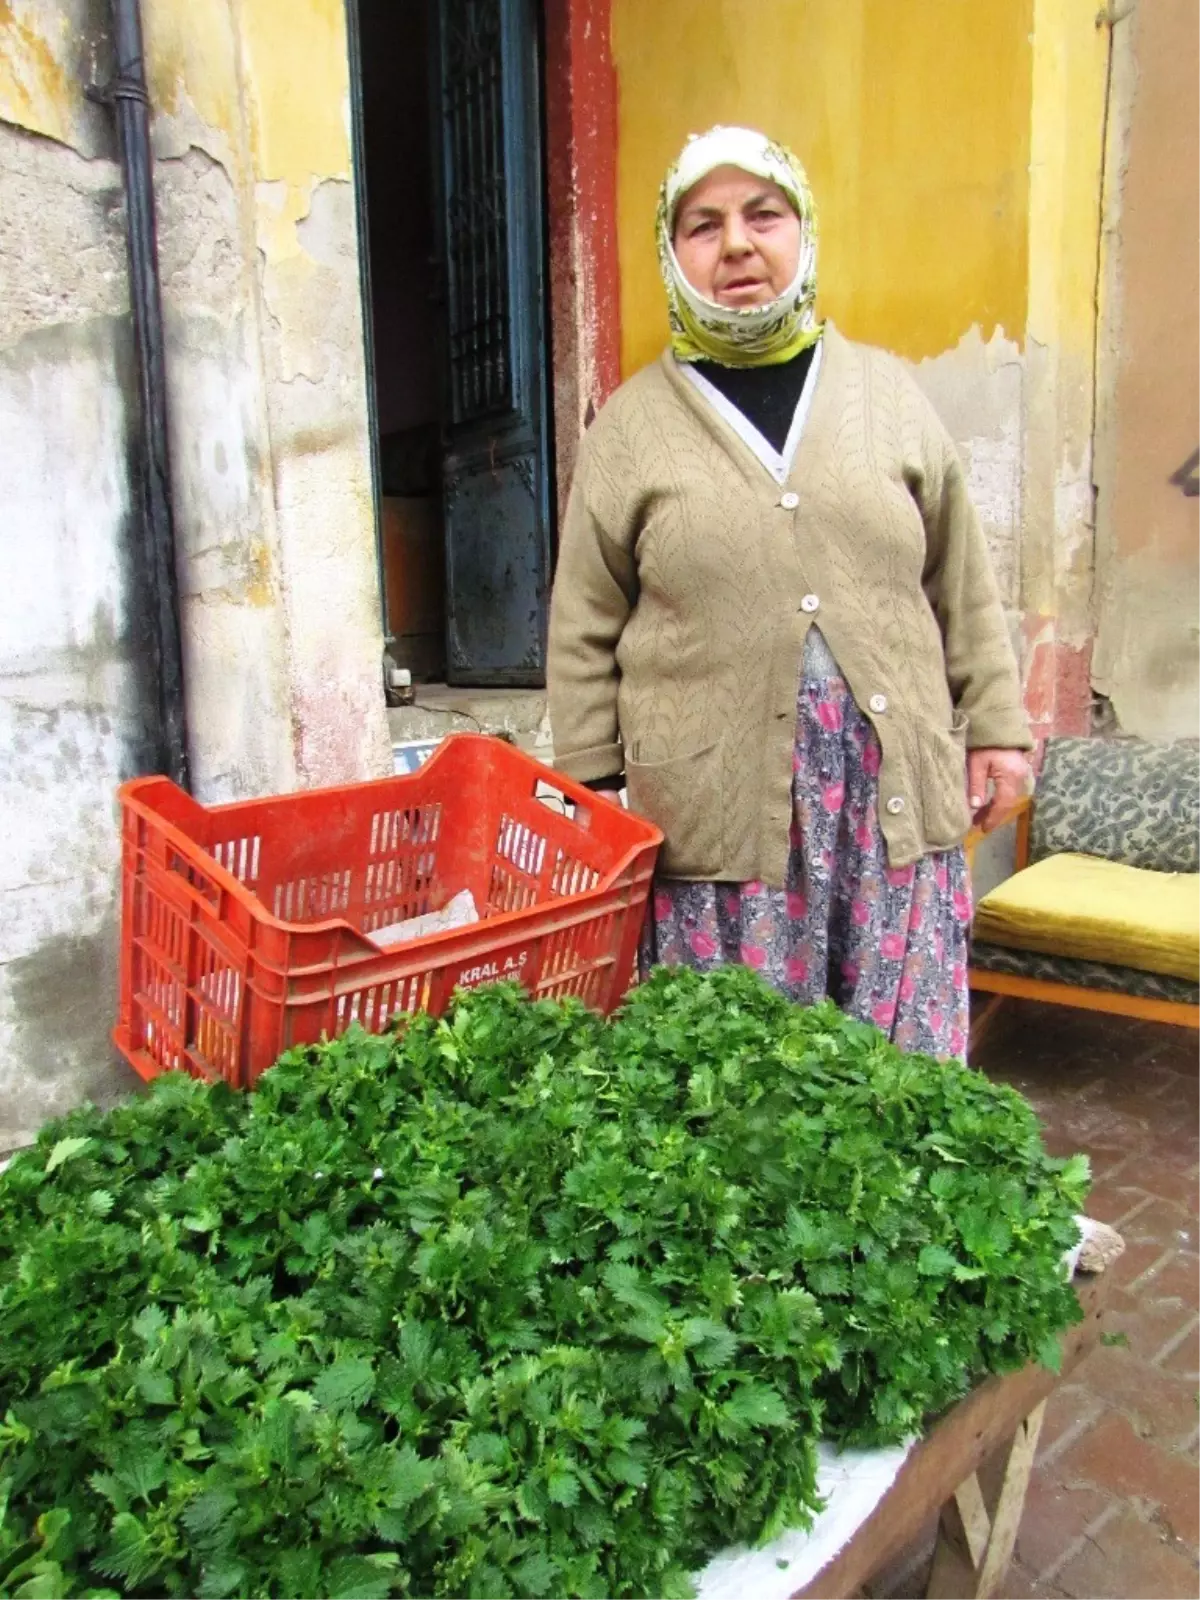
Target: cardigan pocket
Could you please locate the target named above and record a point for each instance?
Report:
(684, 797)
(944, 782)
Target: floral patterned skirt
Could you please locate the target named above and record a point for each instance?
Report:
(887, 944)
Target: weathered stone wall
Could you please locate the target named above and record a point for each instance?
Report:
(266, 384)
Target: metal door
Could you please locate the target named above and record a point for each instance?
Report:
(495, 476)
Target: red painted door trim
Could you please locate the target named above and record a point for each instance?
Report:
(581, 180)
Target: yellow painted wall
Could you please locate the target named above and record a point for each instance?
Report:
(1066, 155)
(42, 66)
(912, 119)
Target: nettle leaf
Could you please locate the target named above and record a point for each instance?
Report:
(757, 1406)
(712, 1344)
(346, 1385)
(537, 1574)
(203, 1221)
(626, 1468)
(141, 1471)
(1076, 1173)
(209, 1512)
(935, 1261)
(149, 1323)
(1049, 1352)
(156, 1388)
(965, 1274)
(625, 1283)
(358, 1578)
(130, 1553)
(47, 1583)
(943, 1183)
(66, 1150)
(563, 1488)
(828, 1278)
(222, 1578)
(51, 1526)
(299, 1572)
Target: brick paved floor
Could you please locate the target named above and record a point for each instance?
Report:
(1113, 1503)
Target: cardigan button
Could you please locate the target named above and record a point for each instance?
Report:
(878, 703)
(895, 805)
(809, 603)
(789, 501)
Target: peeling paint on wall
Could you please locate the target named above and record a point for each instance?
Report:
(978, 391)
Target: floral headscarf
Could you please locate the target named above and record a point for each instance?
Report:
(739, 336)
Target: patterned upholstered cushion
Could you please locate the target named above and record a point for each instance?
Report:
(1083, 974)
(1124, 799)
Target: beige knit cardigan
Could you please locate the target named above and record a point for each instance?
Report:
(688, 579)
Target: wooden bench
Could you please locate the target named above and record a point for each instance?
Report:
(1123, 800)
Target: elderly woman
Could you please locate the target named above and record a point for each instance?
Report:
(774, 620)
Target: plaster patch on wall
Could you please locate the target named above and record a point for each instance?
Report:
(200, 249)
(1147, 659)
(313, 342)
(317, 321)
(57, 811)
(280, 208)
(55, 1034)
(993, 466)
(62, 423)
(62, 253)
(1074, 548)
(977, 390)
(234, 631)
(71, 709)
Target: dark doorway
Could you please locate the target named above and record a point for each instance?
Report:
(450, 168)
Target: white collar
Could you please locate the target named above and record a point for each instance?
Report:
(778, 464)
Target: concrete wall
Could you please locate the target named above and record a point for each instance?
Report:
(272, 490)
(955, 152)
(1149, 422)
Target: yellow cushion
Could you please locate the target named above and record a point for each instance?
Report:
(1096, 910)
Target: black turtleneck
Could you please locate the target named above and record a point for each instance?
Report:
(766, 396)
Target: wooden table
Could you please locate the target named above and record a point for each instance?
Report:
(973, 1467)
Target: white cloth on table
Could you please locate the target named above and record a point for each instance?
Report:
(852, 1483)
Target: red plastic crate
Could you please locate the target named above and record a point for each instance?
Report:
(246, 928)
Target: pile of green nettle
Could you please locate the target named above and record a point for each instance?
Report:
(514, 1302)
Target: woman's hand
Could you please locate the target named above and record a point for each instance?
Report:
(1009, 773)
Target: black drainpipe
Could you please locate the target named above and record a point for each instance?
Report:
(155, 600)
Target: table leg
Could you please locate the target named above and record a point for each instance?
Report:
(982, 1018)
(977, 1531)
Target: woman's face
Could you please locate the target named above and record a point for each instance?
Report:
(737, 238)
